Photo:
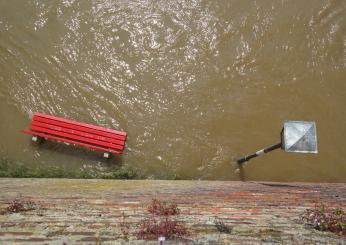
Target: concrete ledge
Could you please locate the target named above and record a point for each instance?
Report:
(93, 211)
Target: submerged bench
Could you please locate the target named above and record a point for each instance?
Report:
(95, 137)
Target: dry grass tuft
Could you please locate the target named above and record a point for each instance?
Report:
(161, 222)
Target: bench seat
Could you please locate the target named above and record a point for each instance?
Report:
(78, 133)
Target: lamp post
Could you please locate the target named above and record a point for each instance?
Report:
(296, 136)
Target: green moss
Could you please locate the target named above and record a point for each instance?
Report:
(338, 211)
(19, 170)
(124, 173)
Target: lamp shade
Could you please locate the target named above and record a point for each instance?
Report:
(299, 136)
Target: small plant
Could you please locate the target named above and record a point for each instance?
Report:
(222, 227)
(326, 219)
(160, 222)
(17, 206)
(163, 208)
(124, 228)
(151, 228)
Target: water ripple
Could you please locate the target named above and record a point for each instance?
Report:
(187, 79)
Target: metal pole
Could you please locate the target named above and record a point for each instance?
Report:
(260, 152)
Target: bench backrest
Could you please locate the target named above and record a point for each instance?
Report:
(78, 131)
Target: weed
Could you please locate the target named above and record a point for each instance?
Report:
(152, 227)
(163, 208)
(326, 219)
(124, 228)
(17, 206)
(160, 222)
(222, 227)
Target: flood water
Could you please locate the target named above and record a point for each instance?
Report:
(196, 84)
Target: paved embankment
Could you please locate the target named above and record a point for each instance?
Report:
(107, 211)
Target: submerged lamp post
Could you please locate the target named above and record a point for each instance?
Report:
(296, 136)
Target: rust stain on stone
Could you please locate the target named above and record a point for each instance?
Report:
(81, 233)
(16, 233)
(32, 240)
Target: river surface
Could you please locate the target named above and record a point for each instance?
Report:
(196, 84)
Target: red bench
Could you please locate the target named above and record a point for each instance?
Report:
(78, 133)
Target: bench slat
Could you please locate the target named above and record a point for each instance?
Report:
(81, 124)
(76, 137)
(84, 129)
(77, 132)
(71, 141)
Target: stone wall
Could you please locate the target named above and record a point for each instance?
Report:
(108, 211)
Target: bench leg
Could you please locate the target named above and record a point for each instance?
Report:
(37, 139)
(106, 155)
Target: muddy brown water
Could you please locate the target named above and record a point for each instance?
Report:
(196, 84)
